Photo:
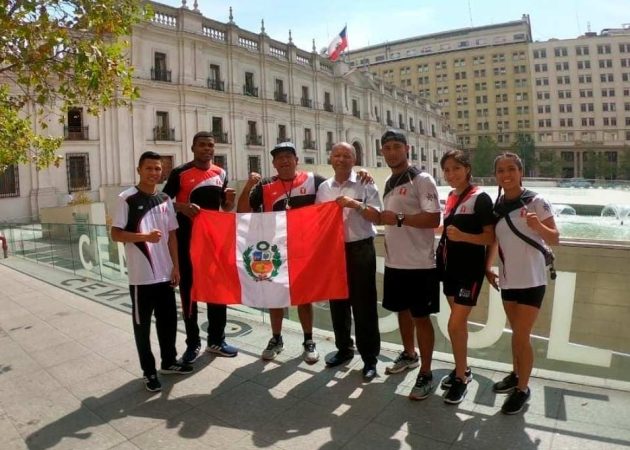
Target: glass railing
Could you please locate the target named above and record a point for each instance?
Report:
(581, 332)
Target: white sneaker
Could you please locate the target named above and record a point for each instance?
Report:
(310, 354)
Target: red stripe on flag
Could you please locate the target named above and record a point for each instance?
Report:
(317, 268)
(213, 257)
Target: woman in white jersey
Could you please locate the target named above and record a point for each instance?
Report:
(468, 229)
(521, 214)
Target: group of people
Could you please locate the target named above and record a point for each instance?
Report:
(518, 227)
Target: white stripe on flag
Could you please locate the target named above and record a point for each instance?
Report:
(256, 239)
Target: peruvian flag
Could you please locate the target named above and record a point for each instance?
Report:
(338, 45)
(269, 260)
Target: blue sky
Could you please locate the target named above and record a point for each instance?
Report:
(373, 22)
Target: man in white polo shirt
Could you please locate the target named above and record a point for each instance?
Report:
(410, 286)
(361, 205)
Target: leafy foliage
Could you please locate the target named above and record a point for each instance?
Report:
(55, 54)
(483, 157)
(525, 147)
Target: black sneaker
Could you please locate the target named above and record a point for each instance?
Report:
(177, 368)
(506, 385)
(447, 381)
(191, 354)
(423, 387)
(456, 392)
(152, 384)
(515, 401)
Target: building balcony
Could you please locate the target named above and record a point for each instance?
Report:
(329, 146)
(280, 97)
(401, 126)
(75, 133)
(253, 139)
(250, 90)
(160, 75)
(423, 158)
(216, 85)
(309, 144)
(329, 107)
(282, 139)
(435, 159)
(421, 131)
(356, 113)
(412, 128)
(306, 102)
(163, 134)
(220, 137)
(390, 123)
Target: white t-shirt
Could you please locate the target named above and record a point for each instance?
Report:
(355, 226)
(521, 265)
(406, 247)
(137, 212)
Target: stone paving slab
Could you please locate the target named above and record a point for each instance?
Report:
(69, 378)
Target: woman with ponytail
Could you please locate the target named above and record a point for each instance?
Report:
(524, 229)
(468, 229)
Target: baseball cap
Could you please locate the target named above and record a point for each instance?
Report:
(283, 147)
(393, 135)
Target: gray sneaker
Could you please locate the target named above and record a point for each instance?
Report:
(423, 387)
(310, 354)
(402, 363)
(274, 348)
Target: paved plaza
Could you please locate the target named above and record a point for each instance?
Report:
(70, 378)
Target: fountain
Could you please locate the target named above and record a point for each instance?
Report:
(562, 209)
(618, 211)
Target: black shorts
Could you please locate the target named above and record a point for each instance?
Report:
(465, 292)
(528, 296)
(417, 290)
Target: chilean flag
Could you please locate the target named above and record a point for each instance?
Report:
(269, 260)
(338, 45)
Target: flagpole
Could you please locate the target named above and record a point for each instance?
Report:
(348, 45)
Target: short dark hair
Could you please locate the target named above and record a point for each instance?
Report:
(202, 134)
(149, 155)
(393, 135)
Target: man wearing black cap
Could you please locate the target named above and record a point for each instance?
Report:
(196, 185)
(410, 286)
(289, 189)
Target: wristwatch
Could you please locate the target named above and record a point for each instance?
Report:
(362, 207)
(400, 218)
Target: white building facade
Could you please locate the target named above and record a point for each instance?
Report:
(197, 74)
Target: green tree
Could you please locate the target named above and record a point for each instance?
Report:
(624, 164)
(549, 164)
(525, 147)
(55, 54)
(483, 156)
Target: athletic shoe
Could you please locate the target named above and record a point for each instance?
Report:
(447, 381)
(177, 368)
(310, 354)
(223, 349)
(191, 354)
(515, 401)
(423, 387)
(274, 348)
(402, 363)
(456, 392)
(152, 384)
(506, 385)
